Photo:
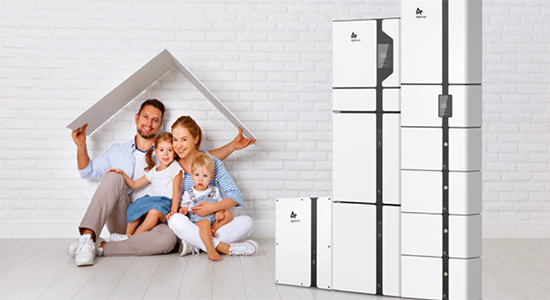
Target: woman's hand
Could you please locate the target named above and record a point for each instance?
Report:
(204, 209)
(240, 142)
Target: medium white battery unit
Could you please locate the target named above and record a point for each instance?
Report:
(303, 242)
(422, 236)
(424, 149)
(418, 110)
(366, 155)
(464, 192)
(355, 247)
(421, 276)
(441, 149)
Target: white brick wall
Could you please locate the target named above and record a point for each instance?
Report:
(516, 115)
(270, 62)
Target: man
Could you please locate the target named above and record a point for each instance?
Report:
(109, 202)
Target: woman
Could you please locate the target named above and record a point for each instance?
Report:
(187, 137)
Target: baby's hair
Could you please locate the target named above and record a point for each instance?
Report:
(161, 137)
(203, 160)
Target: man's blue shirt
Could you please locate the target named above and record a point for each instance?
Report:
(120, 156)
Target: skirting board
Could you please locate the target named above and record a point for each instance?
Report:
(262, 229)
(516, 230)
(69, 229)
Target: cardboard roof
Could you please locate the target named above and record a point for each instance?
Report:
(115, 100)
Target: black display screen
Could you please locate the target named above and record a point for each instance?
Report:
(385, 56)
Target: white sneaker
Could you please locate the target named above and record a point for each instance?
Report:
(118, 237)
(86, 251)
(74, 246)
(247, 248)
(186, 248)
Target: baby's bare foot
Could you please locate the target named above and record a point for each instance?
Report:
(214, 255)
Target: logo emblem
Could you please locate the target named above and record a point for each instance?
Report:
(294, 217)
(354, 37)
(419, 13)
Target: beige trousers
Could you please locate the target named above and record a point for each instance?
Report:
(108, 207)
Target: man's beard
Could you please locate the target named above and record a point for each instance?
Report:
(147, 137)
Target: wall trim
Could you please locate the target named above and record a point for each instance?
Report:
(262, 229)
(516, 230)
(68, 229)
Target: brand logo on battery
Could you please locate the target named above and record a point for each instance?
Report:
(419, 13)
(293, 217)
(354, 37)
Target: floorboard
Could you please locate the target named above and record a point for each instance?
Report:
(30, 266)
(106, 278)
(42, 280)
(41, 269)
(135, 281)
(198, 278)
(167, 276)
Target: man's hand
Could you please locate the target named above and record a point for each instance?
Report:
(240, 142)
(79, 135)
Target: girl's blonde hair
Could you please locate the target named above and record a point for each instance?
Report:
(203, 160)
(194, 129)
(161, 137)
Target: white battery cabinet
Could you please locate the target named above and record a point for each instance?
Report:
(366, 155)
(303, 242)
(441, 149)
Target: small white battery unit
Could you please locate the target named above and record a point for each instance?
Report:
(303, 242)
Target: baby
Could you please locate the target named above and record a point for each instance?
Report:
(202, 172)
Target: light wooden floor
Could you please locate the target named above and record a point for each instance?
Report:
(41, 269)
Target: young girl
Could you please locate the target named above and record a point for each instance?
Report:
(202, 173)
(166, 180)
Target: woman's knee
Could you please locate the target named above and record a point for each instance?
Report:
(246, 222)
(178, 223)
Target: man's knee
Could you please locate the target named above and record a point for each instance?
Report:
(113, 178)
(165, 238)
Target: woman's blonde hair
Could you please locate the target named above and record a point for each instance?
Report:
(161, 137)
(203, 160)
(194, 129)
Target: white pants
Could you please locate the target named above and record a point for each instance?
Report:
(237, 230)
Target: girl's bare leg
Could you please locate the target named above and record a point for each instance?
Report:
(151, 220)
(131, 227)
(206, 237)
